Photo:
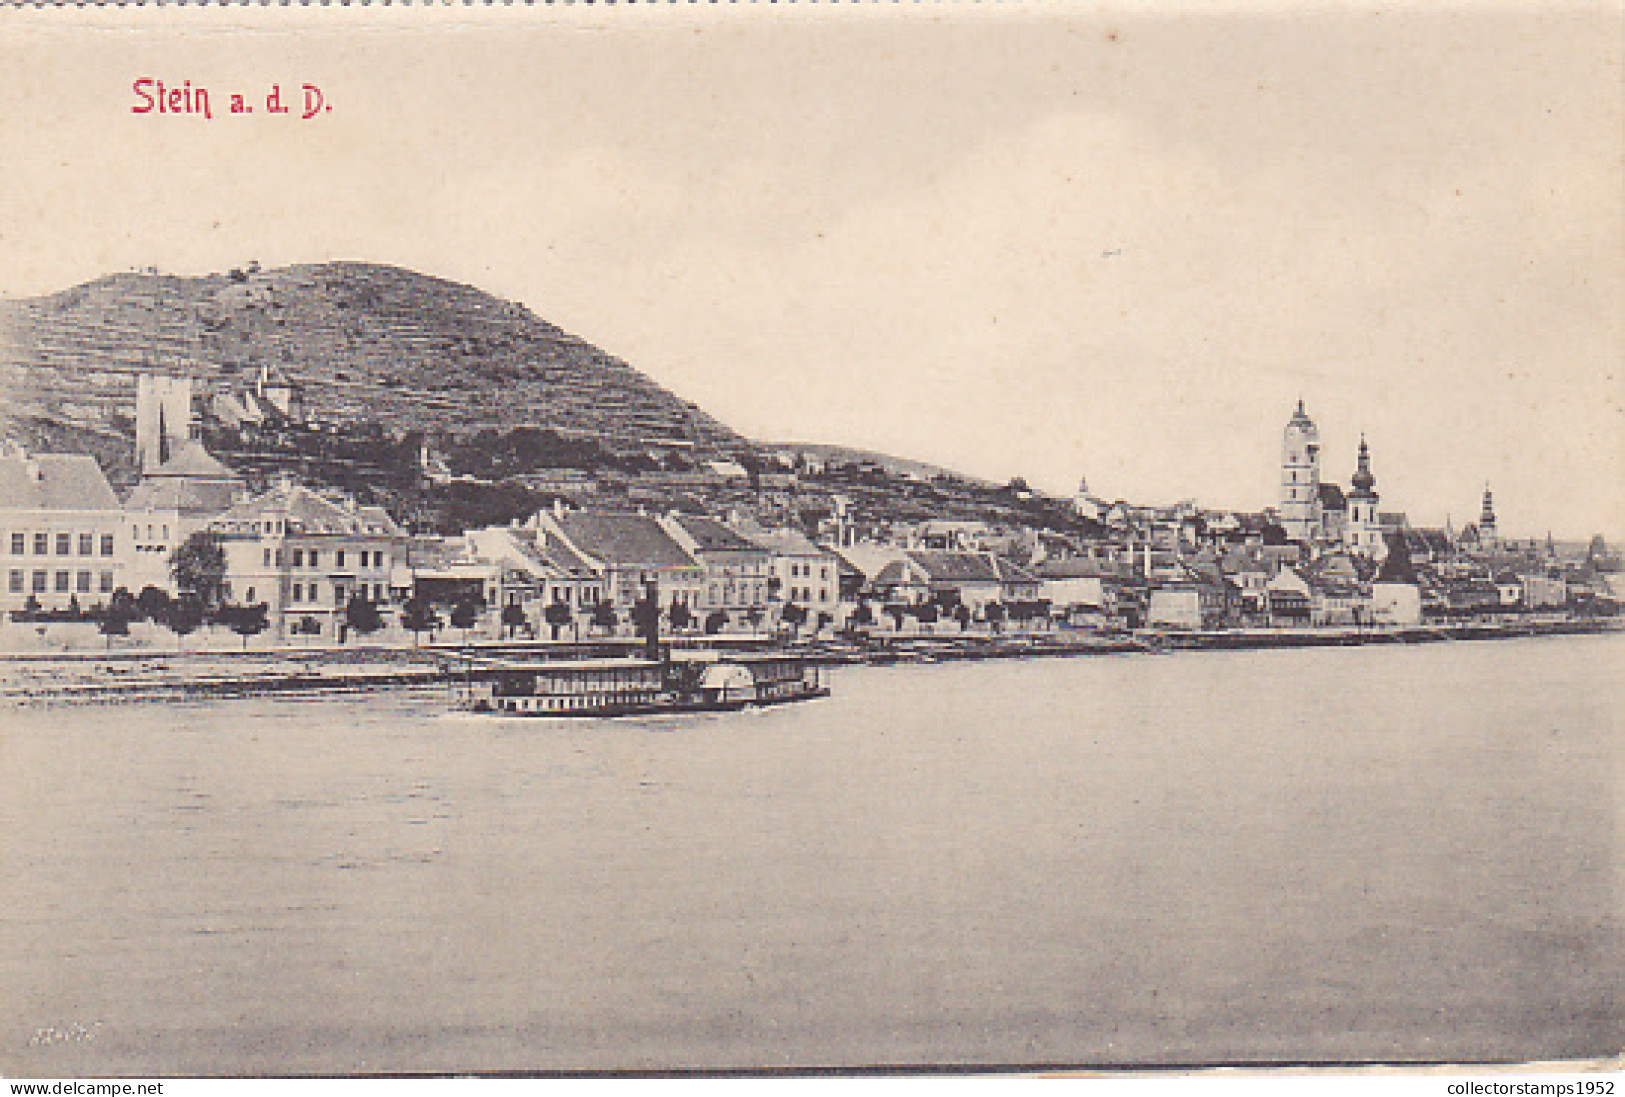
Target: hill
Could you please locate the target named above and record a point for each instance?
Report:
(367, 343)
(901, 467)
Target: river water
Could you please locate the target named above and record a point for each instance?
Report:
(1379, 853)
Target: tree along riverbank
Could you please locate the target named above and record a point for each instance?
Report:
(146, 675)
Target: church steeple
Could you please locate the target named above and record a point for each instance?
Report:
(1300, 476)
(1486, 519)
(1363, 534)
(1363, 480)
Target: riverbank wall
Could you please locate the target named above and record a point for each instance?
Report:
(136, 676)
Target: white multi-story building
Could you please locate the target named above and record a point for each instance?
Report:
(805, 573)
(305, 557)
(738, 572)
(172, 502)
(60, 532)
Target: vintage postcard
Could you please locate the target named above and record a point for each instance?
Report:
(695, 538)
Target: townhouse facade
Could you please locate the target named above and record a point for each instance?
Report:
(624, 552)
(530, 572)
(738, 572)
(805, 573)
(61, 530)
(306, 557)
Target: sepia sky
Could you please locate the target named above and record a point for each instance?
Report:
(1045, 241)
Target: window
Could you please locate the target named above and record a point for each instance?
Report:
(248, 596)
(338, 559)
(64, 544)
(42, 544)
(18, 543)
(82, 582)
(62, 582)
(378, 592)
(87, 544)
(298, 558)
(15, 583)
(37, 582)
(106, 584)
(166, 533)
(107, 544)
(315, 558)
(338, 594)
(297, 594)
(266, 559)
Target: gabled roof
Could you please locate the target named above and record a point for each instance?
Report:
(711, 535)
(870, 560)
(1427, 540)
(784, 542)
(1074, 568)
(1396, 566)
(1012, 572)
(523, 549)
(191, 482)
(54, 481)
(555, 552)
(1334, 566)
(623, 539)
(956, 567)
(898, 571)
(195, 462)
(1331, 497)
(184, 495)
(304, 512)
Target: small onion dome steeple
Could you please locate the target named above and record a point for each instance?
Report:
(1486, 517)
(1300, 418)
(1363, 480)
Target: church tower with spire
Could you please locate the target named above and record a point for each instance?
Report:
(1486, 522)
(1363, 533)
(1300, 476)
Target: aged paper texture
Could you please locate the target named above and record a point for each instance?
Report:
(689, 538)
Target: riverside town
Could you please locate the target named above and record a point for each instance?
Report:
(263, 510)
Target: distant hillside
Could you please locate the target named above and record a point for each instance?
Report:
(367, 342)
(895, 466)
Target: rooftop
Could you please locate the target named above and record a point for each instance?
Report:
(304, 512)
(627, 539)
(54, 481)
(195, 462)
(711, 535)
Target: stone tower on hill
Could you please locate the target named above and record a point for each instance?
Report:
(163, 418)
